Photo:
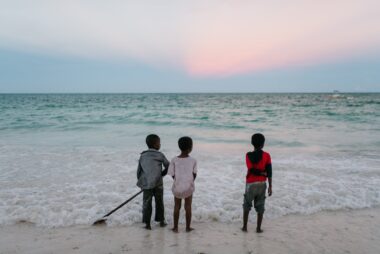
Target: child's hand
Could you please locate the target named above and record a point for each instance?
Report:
(270, 191)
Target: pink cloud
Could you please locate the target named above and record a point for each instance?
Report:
(204, 38)
(254, 37)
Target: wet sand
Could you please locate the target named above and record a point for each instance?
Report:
(325, 232)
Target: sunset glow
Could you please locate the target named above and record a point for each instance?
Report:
(237, 39)
(195, 39)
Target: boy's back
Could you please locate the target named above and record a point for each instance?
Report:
(149, 172)
(260, 165)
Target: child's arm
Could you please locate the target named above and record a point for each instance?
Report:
(268, 169)
(195, 169)
(166, 164)
(270, 186)
(171, 169)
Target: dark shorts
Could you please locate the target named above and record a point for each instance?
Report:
(255, 192)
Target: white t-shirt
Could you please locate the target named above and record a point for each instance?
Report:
(183, 169)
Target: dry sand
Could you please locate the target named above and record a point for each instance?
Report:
(326, 232)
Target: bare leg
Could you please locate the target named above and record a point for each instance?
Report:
(177, 208)
(259, 221)
(245, 220)
(160, 209)
(188, 202)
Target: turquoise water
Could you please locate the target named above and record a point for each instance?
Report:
(222, 111)
(76, 153)
(273, 114)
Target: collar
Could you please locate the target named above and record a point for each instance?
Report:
(150, 150)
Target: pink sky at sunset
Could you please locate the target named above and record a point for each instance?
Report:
(254, 37)
(201, 38)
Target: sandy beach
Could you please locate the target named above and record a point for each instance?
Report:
(122, 109)
(355, 231)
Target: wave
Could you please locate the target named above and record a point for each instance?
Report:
(62, 188)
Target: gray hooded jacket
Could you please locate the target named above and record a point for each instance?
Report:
(149, 170)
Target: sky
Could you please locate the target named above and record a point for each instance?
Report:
(189, 46)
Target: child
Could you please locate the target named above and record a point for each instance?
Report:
(183, 169)
(259, 170)
(149, 175)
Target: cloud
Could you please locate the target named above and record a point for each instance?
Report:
(202, 38)
(269, 34)
(94, 29)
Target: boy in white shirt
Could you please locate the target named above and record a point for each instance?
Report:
(183, 169)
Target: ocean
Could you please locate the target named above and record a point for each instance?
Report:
(67, 159)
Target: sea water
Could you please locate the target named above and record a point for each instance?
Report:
(67, 159)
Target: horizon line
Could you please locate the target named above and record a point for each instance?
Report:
(244, 92)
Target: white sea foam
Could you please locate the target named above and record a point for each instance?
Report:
(62, 187)
(69, 159)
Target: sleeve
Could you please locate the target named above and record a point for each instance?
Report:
(195, 168)
(268, 167)
(139, 170)
(248, 162)
(166, 163)
(171, 170)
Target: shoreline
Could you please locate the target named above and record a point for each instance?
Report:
(344, 231)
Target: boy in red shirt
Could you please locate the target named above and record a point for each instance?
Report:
(259, 167)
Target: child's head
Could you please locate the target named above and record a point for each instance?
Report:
(153, 141)
(185, 144)
(258, 140)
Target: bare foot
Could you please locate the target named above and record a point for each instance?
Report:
(163, 224)
(259, 230)
(244, 229)
(175, 230)
(148, 227)
(189, 229)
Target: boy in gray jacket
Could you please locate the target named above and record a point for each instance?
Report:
(149, 175)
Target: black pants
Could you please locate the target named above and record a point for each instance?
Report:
(158, 194)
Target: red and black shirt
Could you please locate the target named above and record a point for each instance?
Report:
(264, 165)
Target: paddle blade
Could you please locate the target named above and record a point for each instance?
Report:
(99, 222)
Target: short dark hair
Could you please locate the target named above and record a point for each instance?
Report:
(258, 140)
(185, 143)
(151, 140)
